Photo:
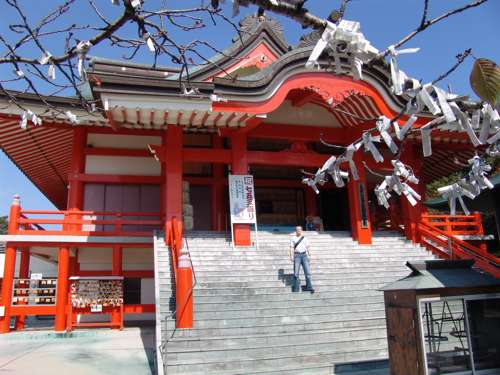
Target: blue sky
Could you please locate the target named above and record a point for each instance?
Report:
(383, 22)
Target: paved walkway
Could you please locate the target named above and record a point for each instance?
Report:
(88, 352)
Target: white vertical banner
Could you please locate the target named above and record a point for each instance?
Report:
(242, 201)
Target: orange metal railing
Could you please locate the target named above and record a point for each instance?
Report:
(447, 246)
(455, 225)
(85, 223)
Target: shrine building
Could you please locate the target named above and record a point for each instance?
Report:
(161, 151)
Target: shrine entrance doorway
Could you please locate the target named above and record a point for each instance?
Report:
(334, 209)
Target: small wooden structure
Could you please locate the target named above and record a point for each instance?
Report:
(444, 318)
(95, 295)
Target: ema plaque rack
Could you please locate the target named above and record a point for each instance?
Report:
(95, 296)
(34, 292)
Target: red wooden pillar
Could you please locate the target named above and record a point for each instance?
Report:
(218, 189)
(62, 289)
(24, 269)
(9, 265)
(117, 270)
(413, 214)
(239, 165)
(173, 175)
(76, 188)
(358, 204)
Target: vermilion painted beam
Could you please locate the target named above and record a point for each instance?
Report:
(286, 158)
(302, 133)
(117, 179)
(139, 309)
(32, 310)
(207, 155)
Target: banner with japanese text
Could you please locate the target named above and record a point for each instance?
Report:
(242, 199)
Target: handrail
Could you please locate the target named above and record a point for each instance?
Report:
(174, 242)
(457, 248)
(29, 226)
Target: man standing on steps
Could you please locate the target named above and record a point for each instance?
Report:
(299, 247)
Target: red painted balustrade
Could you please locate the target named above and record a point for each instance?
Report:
(456, 225)
(446, 245)
(87, 223)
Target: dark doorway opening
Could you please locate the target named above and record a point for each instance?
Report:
(334, 209)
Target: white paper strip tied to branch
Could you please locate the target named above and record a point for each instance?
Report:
(368, 143)
(357, 45)
(491, 123)
(382, 194)
(464, 123)
(443, 97)
(29, 115)
(426, 99)
(45, 58)
(338, 176)
(425, 132)
(477, 174)
(401, 132)
(81, 49)
(348, 157)
(326, 38)
(394, 183)
(403, 171)
(398, 77)
(453, 193)
(383, 125)
(71, 117)
(51, 72)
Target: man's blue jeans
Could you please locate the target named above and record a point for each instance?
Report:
(298, 260)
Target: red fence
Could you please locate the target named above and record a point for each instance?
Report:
(447, 246)
(455, 225)
(85, 223)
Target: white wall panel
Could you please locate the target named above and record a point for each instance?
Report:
(95, 259)
(122, 141)
(135, 259)
(147, 291)
(126, 165)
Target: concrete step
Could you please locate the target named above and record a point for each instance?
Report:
(280, 328)
(367, 269)
(233, 312)
(318, 281)
(266, 340)
(286, 278)
(272, 295)
(320, 288)
(247, 320)
(231, 359)
(316, 364)
(277, 319)
(318, 302)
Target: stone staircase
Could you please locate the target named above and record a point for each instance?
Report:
(247, 320)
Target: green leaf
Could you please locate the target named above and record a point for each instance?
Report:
(485, 80)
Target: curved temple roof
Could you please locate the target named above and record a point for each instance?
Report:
(139, 97)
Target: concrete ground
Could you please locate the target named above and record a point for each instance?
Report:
(83, 352)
